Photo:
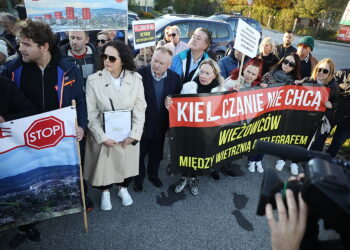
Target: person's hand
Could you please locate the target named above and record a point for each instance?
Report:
(168, 102)
(109, 143)
(298, 82)
(328, 104)
(263, 85)
(288, 231)
(2, 119)
(79, 133)
(127, 141)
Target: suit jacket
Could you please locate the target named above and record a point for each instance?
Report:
(157, 121)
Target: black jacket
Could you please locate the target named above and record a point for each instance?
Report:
(66, 78)
(157, 122)
(13, 104)
(342, 113)
(269, 61)
(333, 96)
(282, 51)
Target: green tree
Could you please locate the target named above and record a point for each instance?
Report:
(161, 4)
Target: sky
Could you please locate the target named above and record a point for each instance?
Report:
(24, 159)
(45, 6)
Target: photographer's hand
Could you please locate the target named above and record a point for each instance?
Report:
(288, 231)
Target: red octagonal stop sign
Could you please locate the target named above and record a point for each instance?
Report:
(44, 133)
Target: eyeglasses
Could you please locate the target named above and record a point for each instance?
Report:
(324, 71)
(101, 41)
(172, 34)
(287, 62)
(112, 59)
(303, 45)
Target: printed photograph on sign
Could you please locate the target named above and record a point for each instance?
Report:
(39, 168)
(79, 14)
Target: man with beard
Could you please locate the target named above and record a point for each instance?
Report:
(286, 48)
(82, 53)
(308, 62)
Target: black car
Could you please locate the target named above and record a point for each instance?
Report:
(233, 21)
(221, 31)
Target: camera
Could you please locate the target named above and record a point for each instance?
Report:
(325, 187)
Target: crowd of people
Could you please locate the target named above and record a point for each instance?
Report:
(48, 74)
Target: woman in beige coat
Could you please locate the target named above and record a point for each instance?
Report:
(116, 87)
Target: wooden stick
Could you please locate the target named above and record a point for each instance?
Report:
(81, 178)
(144, 54)
(240, 70)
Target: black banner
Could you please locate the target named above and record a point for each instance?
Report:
(210, 130)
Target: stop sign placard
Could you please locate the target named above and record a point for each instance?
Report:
(44, 133)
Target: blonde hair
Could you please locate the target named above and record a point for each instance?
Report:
(267, 40)
(331, 69)
(214, 65)
(176, 28)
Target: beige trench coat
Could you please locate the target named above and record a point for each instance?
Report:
(107, 165)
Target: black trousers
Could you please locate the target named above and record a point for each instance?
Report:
(125, 183)
(154, 149)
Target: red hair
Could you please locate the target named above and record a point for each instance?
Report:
(257, 62)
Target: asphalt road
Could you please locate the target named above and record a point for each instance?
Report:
(339, 52)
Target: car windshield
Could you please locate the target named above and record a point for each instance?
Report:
(161, 22)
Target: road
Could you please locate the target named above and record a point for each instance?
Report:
(339, 52)
(222, 216)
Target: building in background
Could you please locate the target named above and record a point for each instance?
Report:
(344, 30)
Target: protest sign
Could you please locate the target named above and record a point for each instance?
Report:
(39, 168)
(144, 33)
(79, 14)
(211, 130)
(247, 39)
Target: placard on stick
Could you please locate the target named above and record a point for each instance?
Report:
(144, 33)
(247, 39)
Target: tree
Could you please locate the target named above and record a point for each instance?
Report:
(161, 4)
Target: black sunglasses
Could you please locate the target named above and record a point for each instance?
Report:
(287, 62)
(172, 34)
(324, 71)
(101, 41)
(112, 59)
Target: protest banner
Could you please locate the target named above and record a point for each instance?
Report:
(210, 130)
(39, 168)
(144, 33)
(79, 14)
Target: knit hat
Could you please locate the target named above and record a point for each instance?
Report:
(3, 48)
(307, 40)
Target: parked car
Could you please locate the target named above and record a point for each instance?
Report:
(132, 16)
(221, 31)
(233, 21)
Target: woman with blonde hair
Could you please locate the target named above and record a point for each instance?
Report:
(208, 80)
(267, 53)
(324, 73)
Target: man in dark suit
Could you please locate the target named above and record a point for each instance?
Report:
(159, 82)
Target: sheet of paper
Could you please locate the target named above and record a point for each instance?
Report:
(117, 124)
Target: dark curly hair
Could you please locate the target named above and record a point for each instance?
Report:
(38, 31)
(125, 54)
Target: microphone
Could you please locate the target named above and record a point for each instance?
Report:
(289, 152)
(295, 153)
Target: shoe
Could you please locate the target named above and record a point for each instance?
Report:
(17, 240)
(215, 175)
(251, 166)
(126, 198)
(193, 184)
(280, 164)
(138, 187)
(294, 168)
(106, 201)
(182, 184)
(259, 167)
(156, 182)
(89, 204)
